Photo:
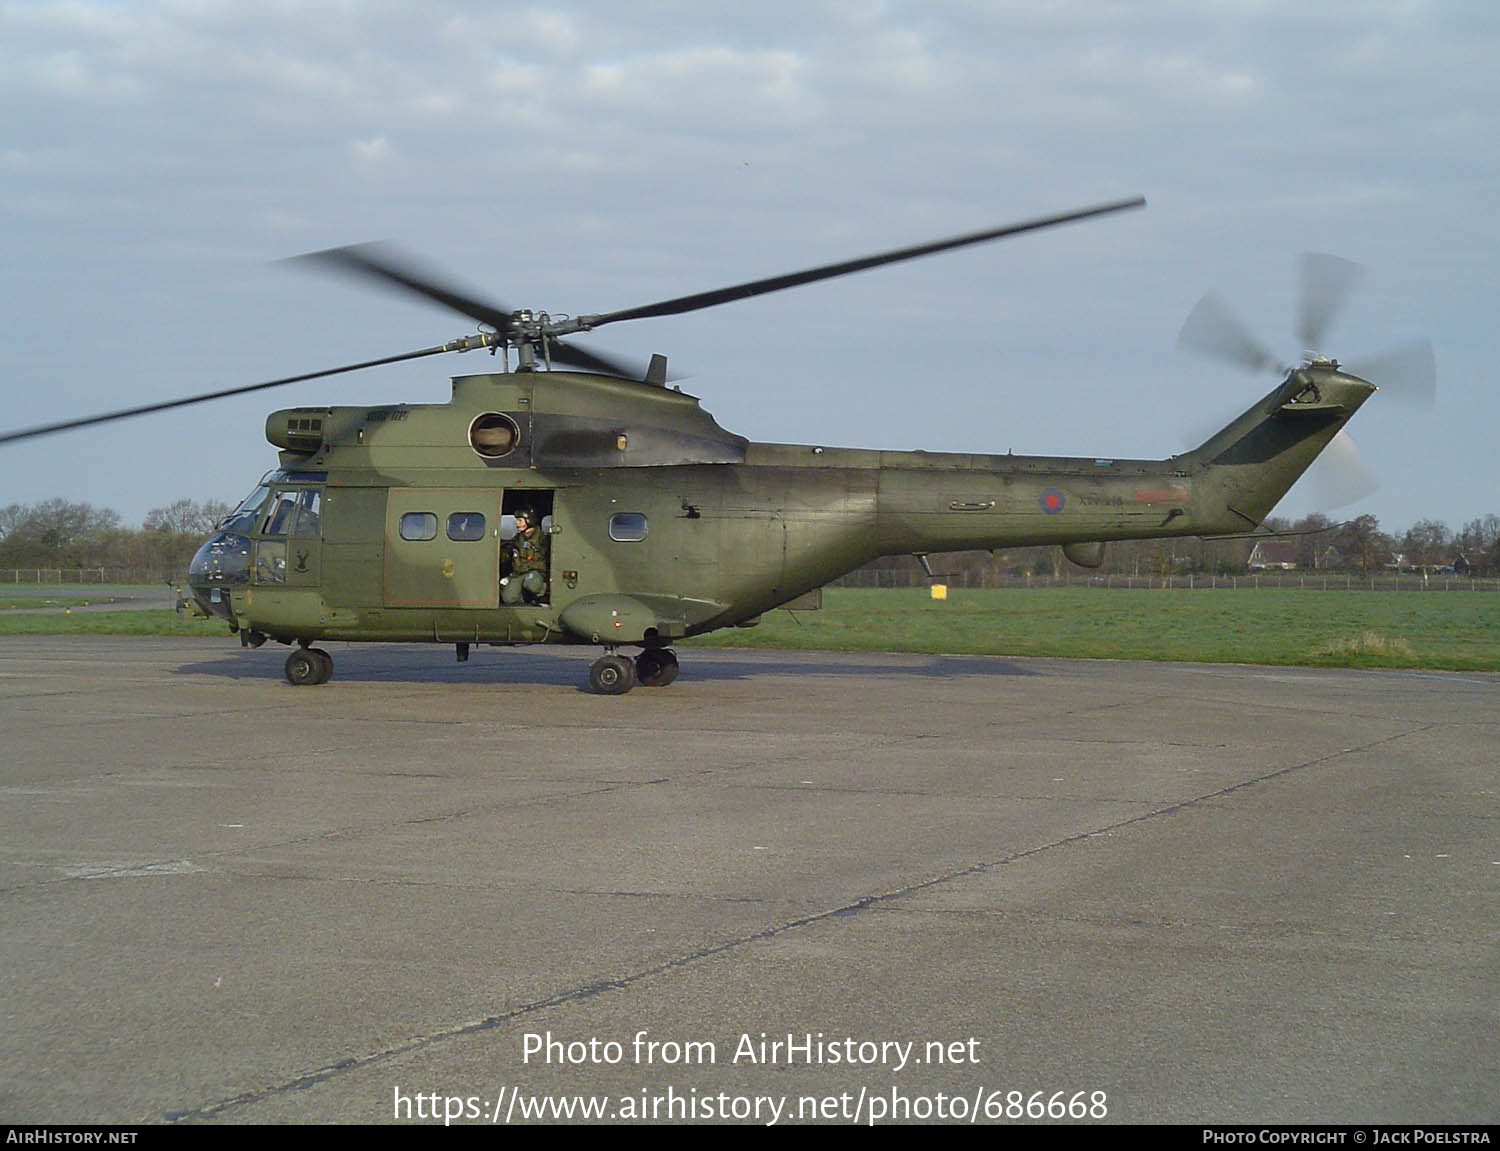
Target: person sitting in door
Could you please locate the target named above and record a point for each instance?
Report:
(527, 553)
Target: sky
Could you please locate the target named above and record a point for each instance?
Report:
(159, 161)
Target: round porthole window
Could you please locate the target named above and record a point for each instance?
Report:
(494, 434)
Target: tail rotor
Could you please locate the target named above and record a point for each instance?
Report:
(1408, 373)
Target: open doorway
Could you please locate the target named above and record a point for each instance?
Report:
(526, 548)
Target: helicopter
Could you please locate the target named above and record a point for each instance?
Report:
(569, 498)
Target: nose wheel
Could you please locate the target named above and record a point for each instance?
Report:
(308, 666)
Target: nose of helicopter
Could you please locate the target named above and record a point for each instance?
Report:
(221, 563)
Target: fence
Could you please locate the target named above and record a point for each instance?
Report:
(90, 575)
(914, 578)
(1310, 581)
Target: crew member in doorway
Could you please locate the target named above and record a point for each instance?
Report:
(527, 552)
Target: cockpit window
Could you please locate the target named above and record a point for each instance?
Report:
(309, 504)
(293, 513)
(279, 514)
(242, 519)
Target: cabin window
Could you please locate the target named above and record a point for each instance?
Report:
(627, 527)
(418, 526)
(466, 526)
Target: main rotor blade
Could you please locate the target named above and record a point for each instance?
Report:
(828, 271)
(1409, 373)
(574, 356)
(381, 263)
(1326, 284)
(1211, 329)
(384, 265)
(186, 401)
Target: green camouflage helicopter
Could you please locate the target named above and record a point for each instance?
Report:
(601, 506)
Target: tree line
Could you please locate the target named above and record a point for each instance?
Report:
(60, 534)
(1313, 543)
(1318, 543)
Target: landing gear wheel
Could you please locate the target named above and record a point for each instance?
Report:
(611, 675)
(656, 667)
(303, 668)
(325, 664)
(308, 667)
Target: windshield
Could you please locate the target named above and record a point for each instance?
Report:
(242, 519)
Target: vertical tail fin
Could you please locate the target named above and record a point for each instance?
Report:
(1247, 467)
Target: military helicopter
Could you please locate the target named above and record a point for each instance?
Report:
(567, 498)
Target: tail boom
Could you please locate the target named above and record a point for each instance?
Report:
(1228, 484)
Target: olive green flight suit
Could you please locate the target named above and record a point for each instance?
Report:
(528, 568)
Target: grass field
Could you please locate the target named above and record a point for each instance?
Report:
(1331, 629)
(155, 622)
(1451, 630)
(33, 602)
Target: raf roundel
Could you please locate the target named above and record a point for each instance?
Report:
(1052, 501)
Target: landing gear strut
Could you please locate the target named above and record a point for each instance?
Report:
(308, 667)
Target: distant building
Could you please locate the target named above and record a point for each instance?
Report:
(1273, 555)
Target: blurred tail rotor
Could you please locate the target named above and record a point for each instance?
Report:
(1340, 476)
(1327, 282)
(1408, 372)
(1213, 330)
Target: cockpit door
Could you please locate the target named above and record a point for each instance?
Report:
(290, 550)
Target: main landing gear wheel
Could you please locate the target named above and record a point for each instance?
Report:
(656, 667)
(611, 675)
(308, 667)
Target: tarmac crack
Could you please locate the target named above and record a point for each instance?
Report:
(606, 986)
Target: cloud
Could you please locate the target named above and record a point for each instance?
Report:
(706, 83)
(548, 30)
(371, 151)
